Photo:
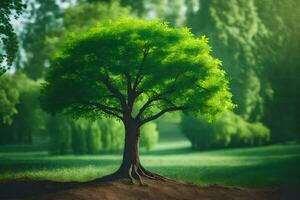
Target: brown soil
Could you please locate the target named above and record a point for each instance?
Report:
(125, 190)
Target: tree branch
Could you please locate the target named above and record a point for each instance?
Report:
(153, 117)
(111, 88)
(146, 105)
(139, 77)
(155, 98)
(114, 91)
(130, 92)
(106, 109)
(102, 106)
(112, 113)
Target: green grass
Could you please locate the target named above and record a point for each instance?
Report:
(248, 167)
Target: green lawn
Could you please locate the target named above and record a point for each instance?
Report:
(248, 167)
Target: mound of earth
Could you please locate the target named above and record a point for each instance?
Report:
(125, 190)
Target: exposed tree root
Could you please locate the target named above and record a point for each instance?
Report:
(154, 176)
(136, 174)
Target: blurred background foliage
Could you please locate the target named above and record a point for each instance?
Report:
(257, 41)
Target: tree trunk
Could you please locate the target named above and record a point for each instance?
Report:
(131, 159)
(131, 167)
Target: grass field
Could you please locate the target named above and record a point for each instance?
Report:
(250, 167)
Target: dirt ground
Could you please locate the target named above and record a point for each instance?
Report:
(125, 190)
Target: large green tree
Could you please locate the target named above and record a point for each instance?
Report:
(135, 71)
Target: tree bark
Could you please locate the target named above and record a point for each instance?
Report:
(131, 148)
(131, 166)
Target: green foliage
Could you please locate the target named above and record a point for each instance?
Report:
(24, 122)
(8, 38)
(76, 136)
(9, 98)
(198, 131)
(24, 117)
(177, 63)
(172, 12)
(233, 130)
(259, 44)
(41, 22)
(93, 139)
(112, 134)
(59, 130)
(85, 137)
(79, 132)
(229, 130)
(237, 33)
(282, 71)
(149, 135)
(85, 15)
(48, 24)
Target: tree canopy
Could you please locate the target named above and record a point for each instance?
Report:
(138, 69)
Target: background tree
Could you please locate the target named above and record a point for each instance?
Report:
(8, 38)
(282, 63)
(22, 116)
(60, 129)
(117, 66)
(235, 31)
(9, 98)
(137, 6)
(42, 19)
(228, 130)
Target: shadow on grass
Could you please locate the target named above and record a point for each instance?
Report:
(161, 152)
(263, 174)
(280, 174)
(264, 151)
(40, 164)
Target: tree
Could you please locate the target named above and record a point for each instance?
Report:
(282, 67)
(237, 34)
(117, 66)
(48, 23)
(44, 18)
(20, 111)
(9, 98)
(228, 130)
(59, 128)
(83, 16)
(8, 38)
